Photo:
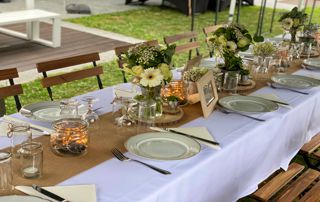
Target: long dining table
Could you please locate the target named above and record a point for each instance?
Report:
(250, 152)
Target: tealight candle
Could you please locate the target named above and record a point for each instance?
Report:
(30, 172)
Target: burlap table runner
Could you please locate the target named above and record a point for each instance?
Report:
(106, 136)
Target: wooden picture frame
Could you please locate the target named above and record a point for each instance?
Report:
(207, 92)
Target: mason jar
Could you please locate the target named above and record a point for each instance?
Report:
(70, 137)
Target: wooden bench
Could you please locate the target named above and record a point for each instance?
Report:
(311, 150)
(295, 184)
(32, 17)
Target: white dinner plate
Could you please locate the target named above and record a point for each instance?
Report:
(17, 198)
(312, 62)
(248, 104)
(48, 111)
(295, 81)
(162, 146)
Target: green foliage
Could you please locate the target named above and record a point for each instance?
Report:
(172, 98)
(232, 62)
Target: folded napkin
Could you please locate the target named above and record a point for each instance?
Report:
(125, 92)
(76, 193)
(273, 97)
(201, 132)
(6, 119)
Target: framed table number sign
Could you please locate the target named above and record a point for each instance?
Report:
(208, 93)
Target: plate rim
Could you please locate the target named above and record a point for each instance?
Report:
(169, 136)
(302, 77)
(276, 106)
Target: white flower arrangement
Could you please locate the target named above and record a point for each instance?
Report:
(194, 74)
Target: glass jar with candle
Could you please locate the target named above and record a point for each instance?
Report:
(70, 137)
(31, 160)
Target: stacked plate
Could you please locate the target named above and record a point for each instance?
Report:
(295, 81)
(47, 111)
(247, 104)
(312, 63)
(162, 146)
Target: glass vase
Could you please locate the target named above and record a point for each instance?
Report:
(230, 81)
(153, 94)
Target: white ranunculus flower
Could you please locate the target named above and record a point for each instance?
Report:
(243, 42)
(231, 46)
(151, 77)
(287, 23)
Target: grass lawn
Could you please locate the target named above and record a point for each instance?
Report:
(147, 23)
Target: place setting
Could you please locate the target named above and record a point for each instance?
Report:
(294, 83)
(312, 64)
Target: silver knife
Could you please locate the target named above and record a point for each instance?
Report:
(48, 193)
(184, 134)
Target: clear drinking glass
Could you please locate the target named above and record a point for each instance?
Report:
(5, 171)
(90, 116)
(31, 160)
(69, 108)
(230, 81)
(147, 111)
(121, 109)
(18, 133)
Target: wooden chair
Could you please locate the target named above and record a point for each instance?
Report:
(208, 30)
(123, 49)
(48, 82)
(188, 40)
(13, 89)
(311, 150)
(194, 62)
(295, 184)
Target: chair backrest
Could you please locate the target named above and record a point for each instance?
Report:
(189, 42)
(123, 49)
(13, 89)
(47, 82)
(194, 62)
(208, 30)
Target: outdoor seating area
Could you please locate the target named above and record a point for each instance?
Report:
(137, 105)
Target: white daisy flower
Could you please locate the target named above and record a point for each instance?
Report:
(151, 77)
(231, 46)
(287, 23)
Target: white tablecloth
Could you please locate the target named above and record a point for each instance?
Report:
(250, 152)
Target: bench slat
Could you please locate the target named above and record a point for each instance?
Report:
(67, 62)
(178, 37)
(313, 195)
(297, 187)
(313, 144)
(72, 76)
(186, 47)
(279, 181)
(8, 74)
(10, 91)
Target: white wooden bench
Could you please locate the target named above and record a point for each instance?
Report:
(32, 17)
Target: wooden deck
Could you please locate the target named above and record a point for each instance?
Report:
(24, 55)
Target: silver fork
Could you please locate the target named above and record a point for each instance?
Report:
(225, 111)
(121, 157)
(293, 90)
